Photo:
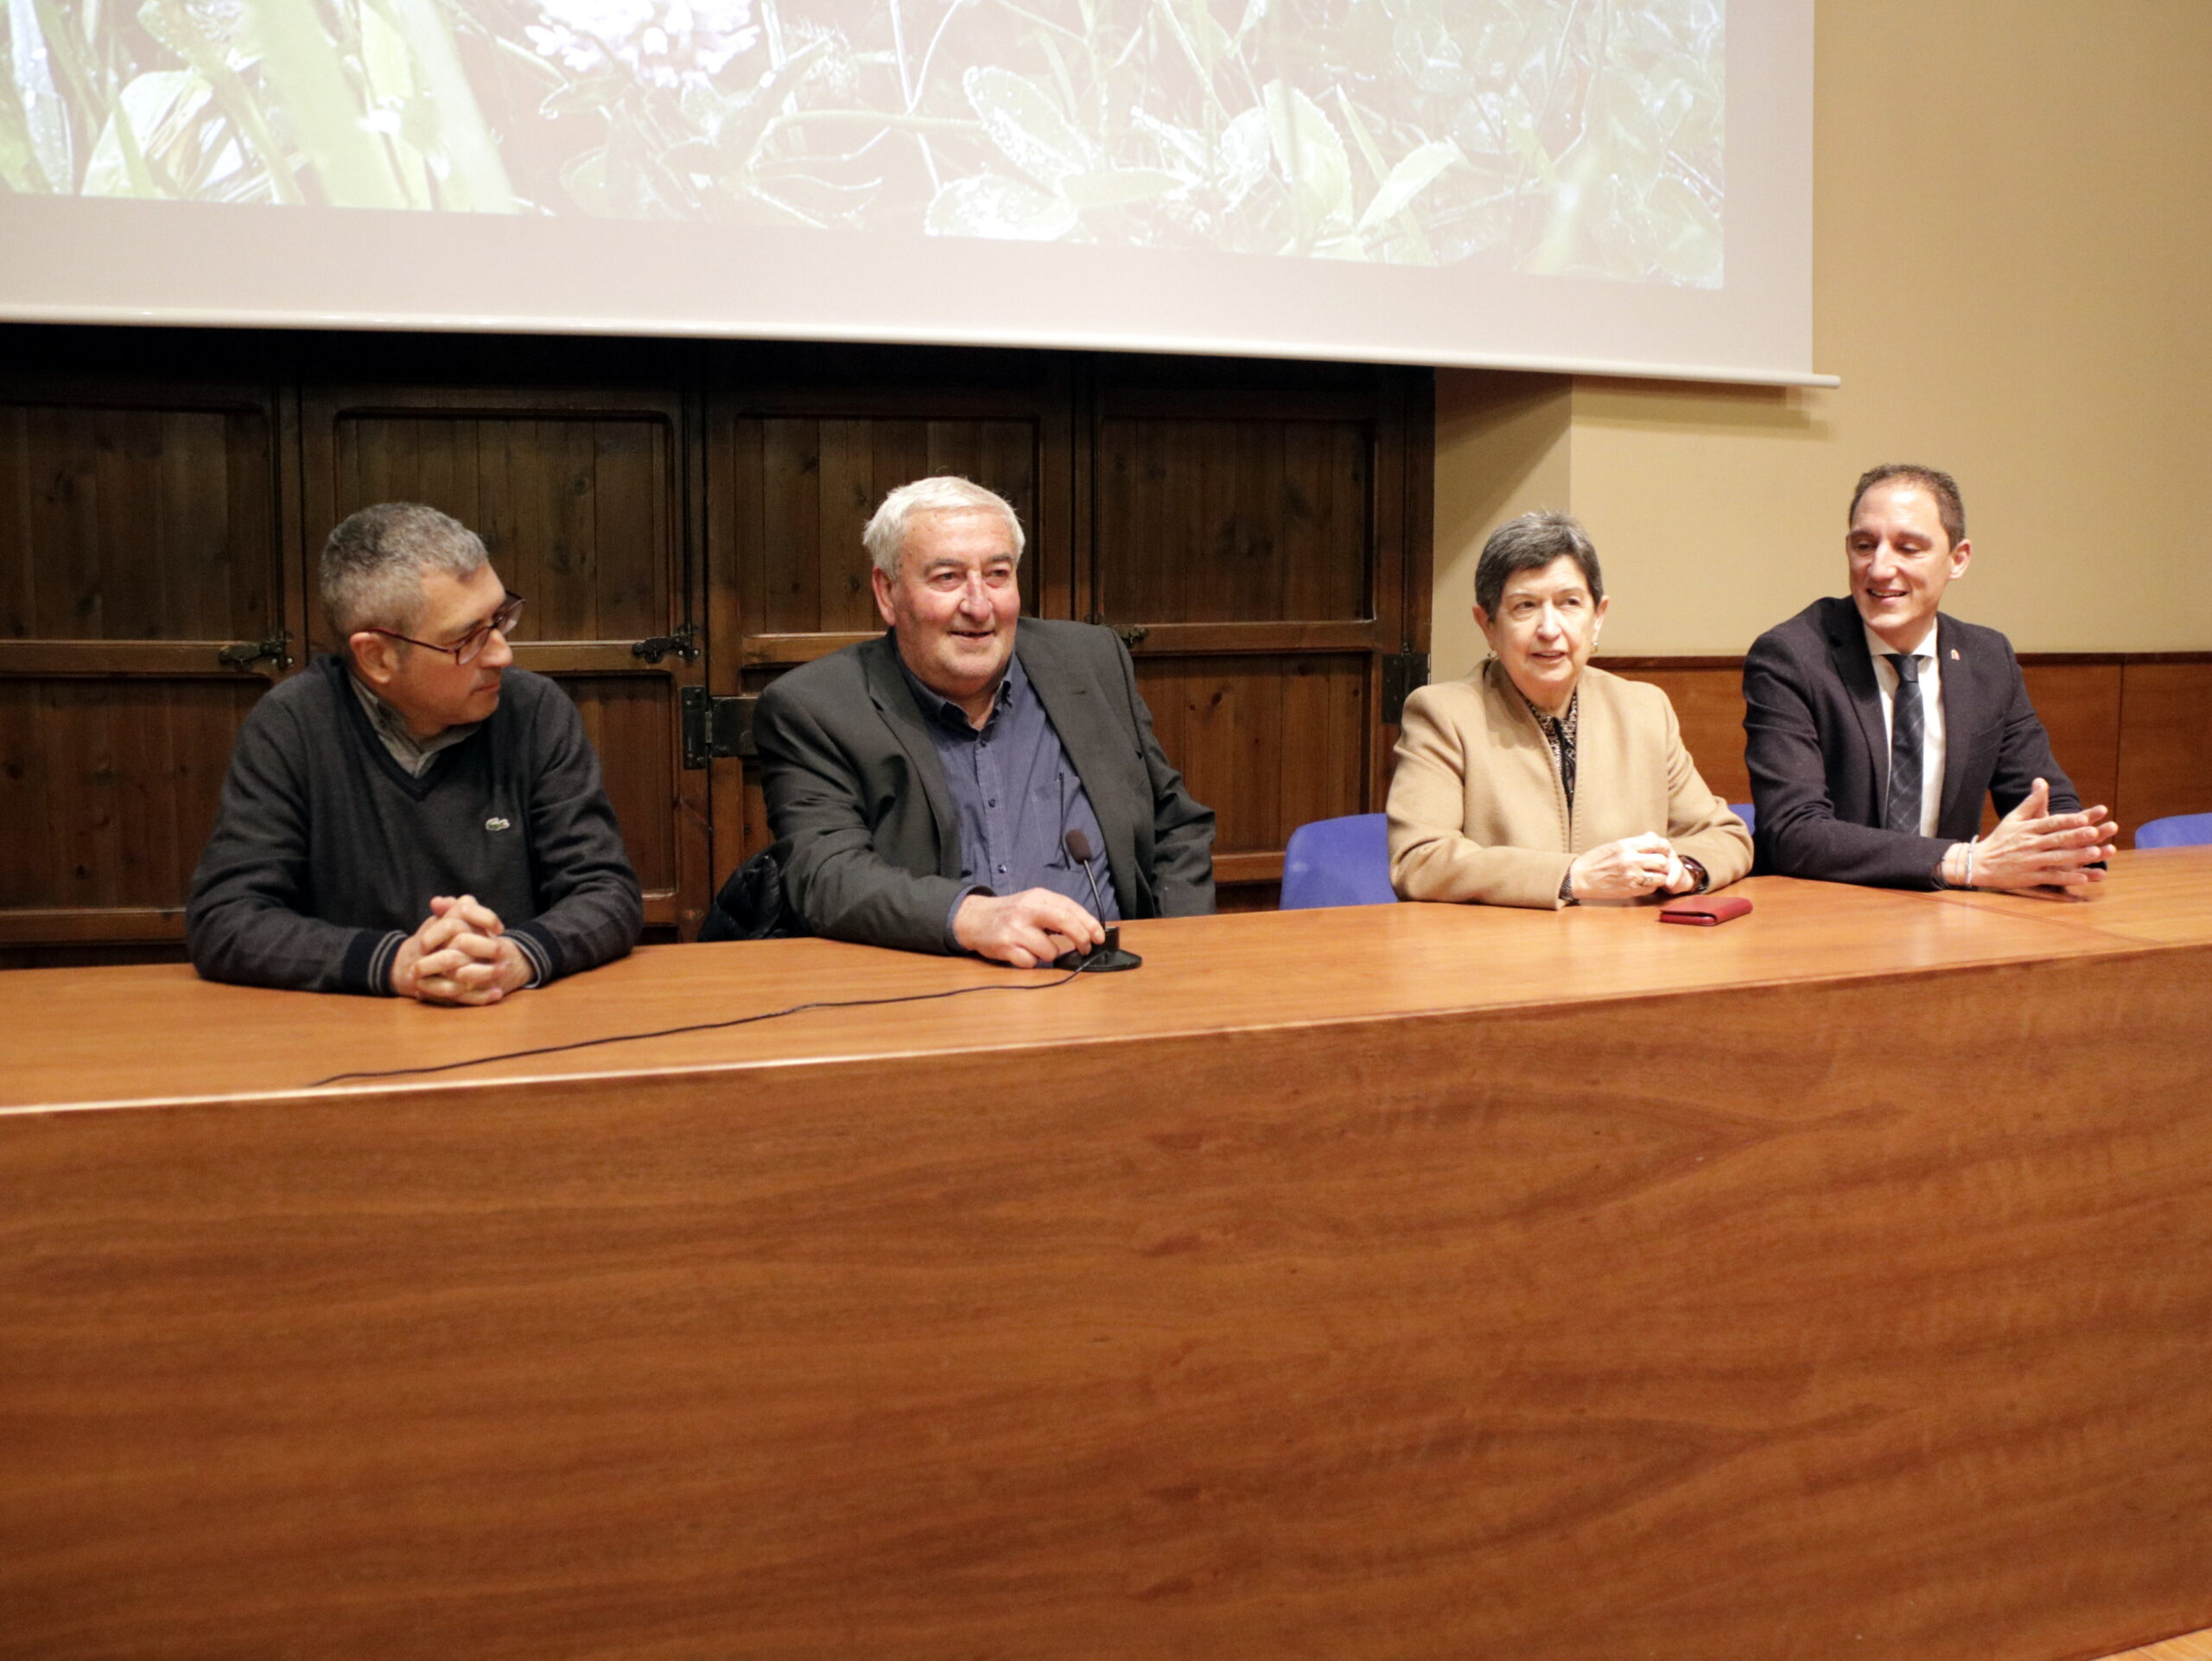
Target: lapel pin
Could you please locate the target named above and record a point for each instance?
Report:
(1955, 654)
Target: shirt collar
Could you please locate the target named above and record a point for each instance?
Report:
(410, 752)
(1565, 723)
(937, 708)
(1882, 649)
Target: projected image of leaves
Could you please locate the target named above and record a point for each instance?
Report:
(1548, 136)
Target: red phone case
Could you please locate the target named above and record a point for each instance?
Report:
(1705, 913)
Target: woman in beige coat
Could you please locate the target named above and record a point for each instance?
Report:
(1538, 780)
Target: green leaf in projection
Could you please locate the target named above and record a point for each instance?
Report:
(1028, 127)
(46, 120)
(160, 110)
(1118, 186)
(1686, 233)
(18, 171)
(322, 101)
(1240, 158)
(459, 141)
(1312, 156)
(988, 205)
(1413, 175)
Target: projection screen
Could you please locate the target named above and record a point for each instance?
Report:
(1599, 186)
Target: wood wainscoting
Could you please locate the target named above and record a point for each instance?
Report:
(2129, 728)
(685, 518)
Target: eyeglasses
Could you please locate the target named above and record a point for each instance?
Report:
(470, 645)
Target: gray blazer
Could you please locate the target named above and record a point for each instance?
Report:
(853, 783)
(1820, 759)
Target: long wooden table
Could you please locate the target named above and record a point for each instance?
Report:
(1413, 1281)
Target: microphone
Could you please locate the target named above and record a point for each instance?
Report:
(1108, 958)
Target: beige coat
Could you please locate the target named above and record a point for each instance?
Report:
(1476, 812)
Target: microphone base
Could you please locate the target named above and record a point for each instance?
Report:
(1107, 959)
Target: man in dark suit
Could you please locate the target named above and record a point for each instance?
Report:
(925, 783)
(1875, 727)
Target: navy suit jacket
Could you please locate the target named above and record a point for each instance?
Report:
(854, 785)
(1820, 756)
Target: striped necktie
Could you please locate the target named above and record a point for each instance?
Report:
(1906, 723)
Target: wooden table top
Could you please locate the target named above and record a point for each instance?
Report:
(83, 1037)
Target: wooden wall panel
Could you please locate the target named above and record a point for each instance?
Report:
(575, 510)
(1708, 702)
(139, 539)
(1233, 520)
(1268, 741)
(803, 488)
(626, 717)
(108, 788)
(121, 524)
(2079, 705)
(164, 494)
(2165, 749)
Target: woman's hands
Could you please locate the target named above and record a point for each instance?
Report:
(1630, 868)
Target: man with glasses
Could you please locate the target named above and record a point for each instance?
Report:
(414, 817)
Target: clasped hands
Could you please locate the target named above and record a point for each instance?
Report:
(460, 954)
(1632, 868)
(2033, 850)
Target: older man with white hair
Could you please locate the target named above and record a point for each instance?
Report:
(925, 783)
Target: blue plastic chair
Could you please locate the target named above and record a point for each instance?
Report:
(1742, 811)
(2182, 830)
(1338, 863)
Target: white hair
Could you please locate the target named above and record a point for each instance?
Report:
(886, 536)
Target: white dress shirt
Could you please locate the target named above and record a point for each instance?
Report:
(1931, 716)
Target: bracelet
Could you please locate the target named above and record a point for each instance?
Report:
(1942, 864)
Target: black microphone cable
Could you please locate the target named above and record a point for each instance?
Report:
(693, 1027)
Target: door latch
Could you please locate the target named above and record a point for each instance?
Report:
(244, 654)
(684, 643)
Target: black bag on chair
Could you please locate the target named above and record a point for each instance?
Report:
(752, 905)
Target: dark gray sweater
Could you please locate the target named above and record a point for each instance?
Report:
(325, 853)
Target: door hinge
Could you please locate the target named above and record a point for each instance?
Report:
(244, 654)
(1403, 674)
(715, 728)
(684, 643)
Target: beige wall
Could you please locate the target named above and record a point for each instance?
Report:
(2012, 274)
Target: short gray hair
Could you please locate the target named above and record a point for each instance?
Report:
(885, 535)
(374, 563)
(1529, 544)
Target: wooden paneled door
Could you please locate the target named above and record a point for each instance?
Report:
(143, 611)
(582, 494)
(684, 520)
(1259, 534)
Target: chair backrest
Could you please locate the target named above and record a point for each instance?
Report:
(1742, 811)
(2182, 830)
(1338, 863)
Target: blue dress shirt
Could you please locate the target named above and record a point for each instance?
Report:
(1015, 796)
